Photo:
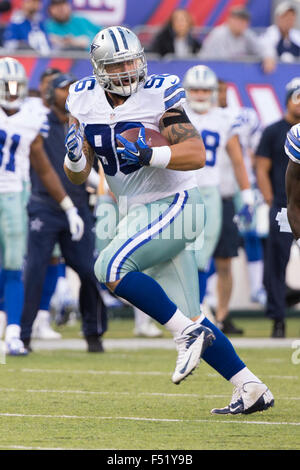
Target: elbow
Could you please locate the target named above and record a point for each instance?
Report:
(199, 160)
(75, 178)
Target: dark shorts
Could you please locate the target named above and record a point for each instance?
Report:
(229, 240)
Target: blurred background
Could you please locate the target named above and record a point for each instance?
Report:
(57, 34)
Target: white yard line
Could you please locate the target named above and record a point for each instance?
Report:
(122, 372)
(136, 418)
(155, 343)
(148, 394)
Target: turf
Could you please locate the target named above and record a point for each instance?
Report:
(126, 400)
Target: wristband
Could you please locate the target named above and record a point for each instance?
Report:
(93, 179)
(247, 197)
(298, 242)
(66, 203)
(76, 167)
(161, 156)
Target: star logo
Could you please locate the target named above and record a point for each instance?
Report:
(36, 225)
(93, 47)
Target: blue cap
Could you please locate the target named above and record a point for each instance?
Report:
(291, 87)
(62, 80)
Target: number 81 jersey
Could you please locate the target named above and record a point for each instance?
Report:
(17, 132)
(88, 103)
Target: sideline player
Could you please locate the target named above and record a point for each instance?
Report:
(20, 127)
(152, 271)
(215, 125)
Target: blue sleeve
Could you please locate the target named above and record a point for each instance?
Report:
(11, 32)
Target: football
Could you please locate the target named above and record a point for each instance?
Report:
(153, 138)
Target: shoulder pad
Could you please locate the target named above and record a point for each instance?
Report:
(169, 87)
(292, 143)
(81, 93)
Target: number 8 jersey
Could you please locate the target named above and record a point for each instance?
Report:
(215, 128)
(17, 132)
(88, 103)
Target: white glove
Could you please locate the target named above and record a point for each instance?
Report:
(282, 219)
(76, 223)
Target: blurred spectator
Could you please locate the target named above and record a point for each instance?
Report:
(5, 5)
(235, 40)
(26, 29)
(176, 37)
(282, 36)
(68, 31)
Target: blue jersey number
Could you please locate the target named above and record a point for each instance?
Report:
(211, 142)
(87, 83)
(15, 140)
(156, 81)
(102, 139)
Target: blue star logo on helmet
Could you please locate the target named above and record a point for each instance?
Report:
(93, 47)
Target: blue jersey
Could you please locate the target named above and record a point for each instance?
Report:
(54, 145)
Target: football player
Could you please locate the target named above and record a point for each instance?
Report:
(146, 262)
(216, 126)
(249, 129)
(292, 149)
(20, 137)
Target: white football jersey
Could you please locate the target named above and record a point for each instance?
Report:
(17, 132)
(215, 128)
(88, 103)
(249, 130)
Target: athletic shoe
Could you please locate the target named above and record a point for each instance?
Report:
(278, 329)
(228, 328)
(94, 343)
(15, 347)
(42, 329)
(250, 398)
(190, 345)
(147, 330)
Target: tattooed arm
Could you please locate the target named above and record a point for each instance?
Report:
(81, 176)
(187, 149)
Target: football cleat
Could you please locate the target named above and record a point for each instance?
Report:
(42, 328)
(250, 398)
(147, 330)
(190, 345)
(15, 347)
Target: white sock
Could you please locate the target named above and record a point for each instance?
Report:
(12, 331)
(2, 323)
(177, 323)
(243, 376)
(140, 318)
(255, 270)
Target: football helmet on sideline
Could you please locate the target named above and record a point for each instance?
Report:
(201, 77)
(13, 83)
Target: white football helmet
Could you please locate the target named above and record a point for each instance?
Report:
(201, 77)
(13, 83)
(115, 45)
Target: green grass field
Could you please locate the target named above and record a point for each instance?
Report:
(125, 399)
